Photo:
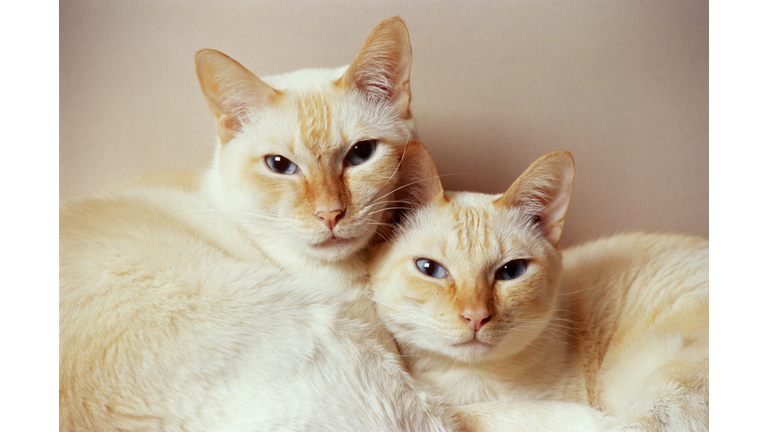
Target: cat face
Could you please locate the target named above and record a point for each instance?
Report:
(307, 160)
(475, 276)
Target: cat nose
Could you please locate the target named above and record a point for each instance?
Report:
(476, 318)
(331, 218)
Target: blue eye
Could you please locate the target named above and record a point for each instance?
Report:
(511, 270)
(361, 152)
(281, 164)
(431, 268)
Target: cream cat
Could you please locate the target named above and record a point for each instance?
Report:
(484, 308)
(232, 300)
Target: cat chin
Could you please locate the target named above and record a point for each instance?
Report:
(462, 349)
(471, 352)
(335, 242)
(336, 248)
(340, 244)
(485, 349)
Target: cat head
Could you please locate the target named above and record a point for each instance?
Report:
(473, 276)
(306, 161)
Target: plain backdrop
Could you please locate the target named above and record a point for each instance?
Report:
(623, 85)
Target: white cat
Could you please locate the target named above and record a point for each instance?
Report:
(609, 335)
(232, 300)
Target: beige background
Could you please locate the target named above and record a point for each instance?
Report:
(622, 84)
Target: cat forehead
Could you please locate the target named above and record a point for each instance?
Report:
(474, 215)
(468, 222)
(461, 211)
(460, 200)
(305, 79)
(322, 119)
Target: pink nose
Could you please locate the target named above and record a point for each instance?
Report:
(476, 318)
(331, 218)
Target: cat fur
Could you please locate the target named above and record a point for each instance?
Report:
(609, 335)
(224, 300)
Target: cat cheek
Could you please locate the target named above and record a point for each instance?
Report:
(369, 182)
(267, 193)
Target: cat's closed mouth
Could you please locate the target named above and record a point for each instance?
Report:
(334, 241)
(474, 342)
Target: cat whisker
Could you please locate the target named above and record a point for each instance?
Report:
(416, 182)
(372, 232)
(215, 213)
(393, 202)
(576, 292)
(542, 334)
(416, 318)
(387, 209)
(547, 332)
(399, 162)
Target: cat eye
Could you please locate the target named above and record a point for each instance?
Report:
(431, 268)
(281, 164)
(361, 152)
(512, 270)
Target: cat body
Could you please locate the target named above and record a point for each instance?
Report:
(610, 335)
(233, 299)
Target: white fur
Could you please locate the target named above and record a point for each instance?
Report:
(199, 304)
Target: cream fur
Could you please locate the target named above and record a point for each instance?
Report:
(221, 301)
(611, 335)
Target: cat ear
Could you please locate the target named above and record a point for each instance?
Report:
(543, 192)
(231, 91)
(418, 183)
(382, 67)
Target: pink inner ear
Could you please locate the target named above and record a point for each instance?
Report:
(229, 124)
(231, 90)
(375, 77)
(379, 90)
(543, 191)
(381, 68)
(237, 113)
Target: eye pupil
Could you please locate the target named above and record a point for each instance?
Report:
(512, 270)
(281, 164)
(361, 152)
(429, 268)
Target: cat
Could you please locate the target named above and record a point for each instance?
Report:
(609, 335)
(232, 299)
